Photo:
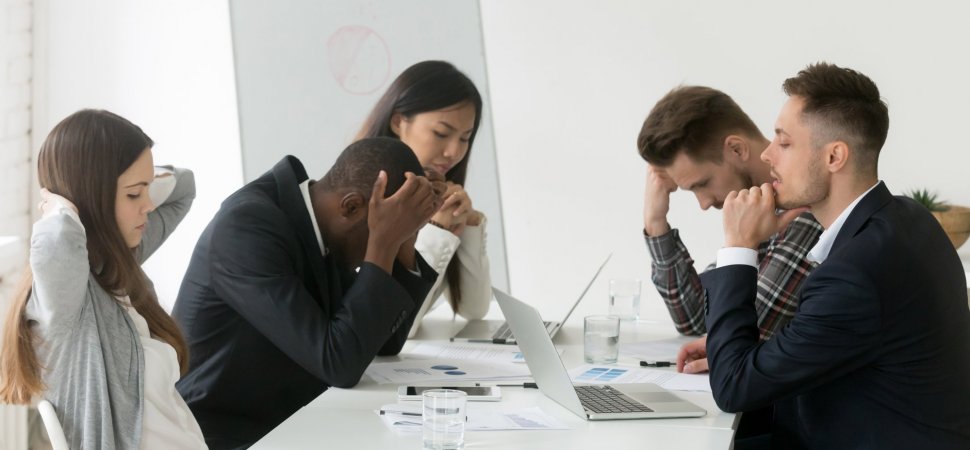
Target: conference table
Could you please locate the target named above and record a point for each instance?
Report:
(346, 418)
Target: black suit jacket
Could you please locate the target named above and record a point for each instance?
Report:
(878, 353)
(271, 323)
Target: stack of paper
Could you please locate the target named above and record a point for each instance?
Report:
(657, 350)
(480, 352)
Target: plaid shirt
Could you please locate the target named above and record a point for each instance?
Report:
(782, 267)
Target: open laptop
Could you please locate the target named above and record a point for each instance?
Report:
(498, 331)
(591, 402)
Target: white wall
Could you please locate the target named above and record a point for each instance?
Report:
(16, 62)
(15, 162)
(167, 67)
(572, 81)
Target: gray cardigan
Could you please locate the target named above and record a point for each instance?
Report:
(90, 349)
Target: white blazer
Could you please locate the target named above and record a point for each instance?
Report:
(438, 246)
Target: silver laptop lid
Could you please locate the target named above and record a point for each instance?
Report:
(539, 352)
(582, 294)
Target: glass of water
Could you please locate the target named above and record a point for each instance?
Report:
(443, 418)
(625, 299)
(601, 338)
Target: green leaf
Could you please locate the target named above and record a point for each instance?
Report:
(928, 199)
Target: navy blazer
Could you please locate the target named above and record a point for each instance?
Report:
(878, 353)
(271, 323)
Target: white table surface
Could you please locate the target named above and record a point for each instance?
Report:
(345, 418)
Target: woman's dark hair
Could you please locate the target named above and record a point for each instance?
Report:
(423, 87)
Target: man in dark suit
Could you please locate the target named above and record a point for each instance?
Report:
(271, 306)
(878, 353)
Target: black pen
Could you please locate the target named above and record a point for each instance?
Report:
(657, 364)
(400, 413)
(523, 385)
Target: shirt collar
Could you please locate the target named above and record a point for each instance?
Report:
(821, 250)
(305, 190)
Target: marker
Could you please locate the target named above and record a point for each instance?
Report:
(523, 385)
(404, 413)
(657, 364)
(400, 413)
(487, 341)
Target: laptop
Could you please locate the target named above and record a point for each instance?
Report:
(498, 331)
(591, 402)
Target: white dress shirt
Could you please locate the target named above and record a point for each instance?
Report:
(821, 250)
(305, 190)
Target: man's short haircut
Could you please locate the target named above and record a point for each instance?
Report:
(695, 120)
(842, 105)
(359, 164)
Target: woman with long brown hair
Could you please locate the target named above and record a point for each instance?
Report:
(436, 109)
(85, 330)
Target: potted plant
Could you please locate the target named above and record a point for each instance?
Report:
(955, 220)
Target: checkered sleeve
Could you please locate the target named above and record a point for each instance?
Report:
(782, 267)
(677, 281)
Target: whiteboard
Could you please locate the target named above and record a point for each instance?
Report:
(309, 71)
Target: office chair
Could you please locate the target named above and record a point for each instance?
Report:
(54, 431)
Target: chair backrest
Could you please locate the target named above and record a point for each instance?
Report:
(53, 426)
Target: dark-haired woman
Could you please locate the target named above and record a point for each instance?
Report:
(436, 110)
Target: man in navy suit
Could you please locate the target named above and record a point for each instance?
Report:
(297, 284)
(878, 353)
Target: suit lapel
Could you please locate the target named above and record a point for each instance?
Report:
(289, 173)
(869, 205)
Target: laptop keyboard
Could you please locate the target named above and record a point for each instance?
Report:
(605, 399)
(505, 333)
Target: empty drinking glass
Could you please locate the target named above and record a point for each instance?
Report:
(443, 418)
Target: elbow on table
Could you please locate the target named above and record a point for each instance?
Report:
(730, 398)
(343, 374)
(391, 349)
(346, 381)
(728, 404)
(475, 312)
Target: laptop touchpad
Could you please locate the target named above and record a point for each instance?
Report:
(655, 397)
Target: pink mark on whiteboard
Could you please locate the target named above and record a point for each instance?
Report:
(359, 59)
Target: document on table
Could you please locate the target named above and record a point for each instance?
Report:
(667, 379)
(407, 418)
(658, 350)
(420, 370)
(480, 352)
